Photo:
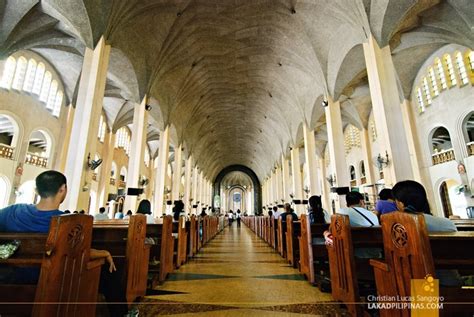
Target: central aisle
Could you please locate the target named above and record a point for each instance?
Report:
(237, 274)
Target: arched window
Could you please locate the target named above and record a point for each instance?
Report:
(470, 57)
(450, 68)
(441, 146)
(146, 156)
(434, 83)
(58, 103)
(123, 139)
(53, 90)
(8, 73)
(39, 149)
(4, 191)
(45, 88)
(469, 133)
(38, 79)
(441, 75)
(352, 138)
(421, 102)
(352, 172)
(30, 75)
(461, 68)
(20, 73)
(102, 128)
(426, 90)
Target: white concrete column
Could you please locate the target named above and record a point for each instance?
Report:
(279, 185)
(177, 172)
(410, 132)
(199, 193)
(188, 171)
(368, 162)
(160, 179)
(325, 195)
(311, 161)
(107, 157)
(297, 181)
(66, 125)
(336, 149)
(137, 151)
(387, 111)
(194, 192)
(264, 194)
(85, 125)
(285, 169)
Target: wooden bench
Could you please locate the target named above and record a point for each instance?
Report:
(448, 250)
(464, 224)
(67, 278)
(293, 231)
(161, 253)
(126, 244)
(412, 253)
(313, 256)
(281, 233)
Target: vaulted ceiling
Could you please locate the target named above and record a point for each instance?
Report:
(235, 79)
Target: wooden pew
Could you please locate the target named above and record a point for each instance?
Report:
(68, 277)
(180, 244)
(126, 244)
(412, 253)
(193, 236)
(312, 256)
(293, 230)
(464, 224)
(281, 233)
(448, 250)
(161, 252)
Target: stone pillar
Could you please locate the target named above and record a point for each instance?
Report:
(194, 194)
(336, 149)
(410, 132)
(387, 112)
(178, 164)
(200, 191)
(160, 179)
(285, 169)
(85, 125)
(311, 161)
(370, 175)
(187, 184)
(137, 151)
(279, 185)
(297, 183)
(107, 157)
(325, 195)
(66, 126)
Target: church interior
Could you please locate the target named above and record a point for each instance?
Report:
(244, 105)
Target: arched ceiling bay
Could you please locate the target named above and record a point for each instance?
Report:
(234, 78)
(236, 179)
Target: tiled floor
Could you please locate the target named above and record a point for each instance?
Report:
(237, 274)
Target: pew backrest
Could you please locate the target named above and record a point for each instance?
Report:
(341, 260)
(64, 276)
(407, 248)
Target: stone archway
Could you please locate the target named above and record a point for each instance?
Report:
(257, 190)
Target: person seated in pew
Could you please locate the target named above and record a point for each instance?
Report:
(144, 207)
(127, 216)
(51, 186)
(386, 203)
(270, 213)
(358, 217)
(118, 215)
(276, 212)
(316, 212)
(410, 196)
(289, 211)
(101, 215)
(317, 215)
(178, 210)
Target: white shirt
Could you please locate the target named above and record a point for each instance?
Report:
(276, 214)
(357, 219)
(150, 219)
(100, 216)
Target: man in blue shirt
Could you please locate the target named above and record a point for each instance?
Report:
(52, 188)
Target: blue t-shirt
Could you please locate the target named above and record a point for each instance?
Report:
(385, 206)
(26, 218)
